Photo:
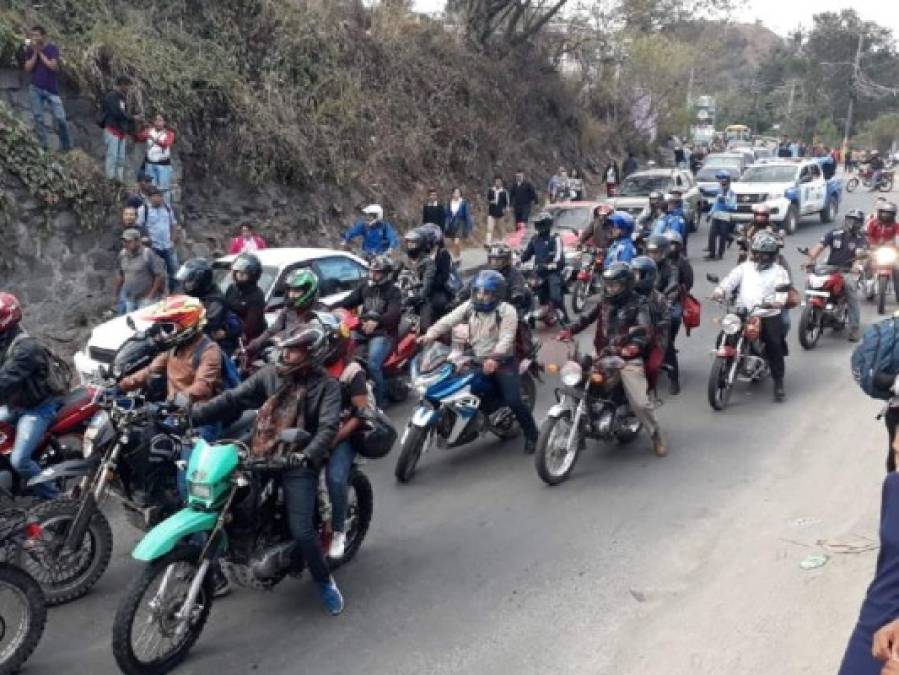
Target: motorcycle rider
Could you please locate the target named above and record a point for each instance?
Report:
(881, 230)
(26, 400)
(492, 324)
(378, 235)
(196, 279)
(597, 232)
(432, 265)
(651, 212)
(645, 280)
(624, 327)
(381, 299)
(719, 217)
(301, 292)
(244, 297)
(499, 258)
(679, 260)
(843, 243)
(548, 253)
(622, 247)
(295, 392)
(668, 284)
(875, 163)
(673, 219)
(756, 281)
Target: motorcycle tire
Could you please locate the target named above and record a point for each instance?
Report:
(719, 387)
(791, 220)
(882, 282)
(398, 389)
(851, 184)
(886, 184)
(64, 585)
(28, 633)
(809, 327)
(542, 455)
(359, 514)
(410, 453)
(124, 622)
(579, 296)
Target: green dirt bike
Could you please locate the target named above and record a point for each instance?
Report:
(236, 507)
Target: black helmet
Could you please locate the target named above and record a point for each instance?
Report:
(311, 342)
(543, 222)
(248, 264)
(379, 270)
(655, 197)
(195, 276)
(765, 246)
(657, 246)
(434, 233)
(499, 257)
(645, 273)
(886, 212)
(675, 242)
(416, 242)
(618, 282)
(854, 219)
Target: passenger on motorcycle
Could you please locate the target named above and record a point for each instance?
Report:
(548, 253)
(380, 299)
(297, 392)
(881, 230)
(679, 260)
(492, 325)
(843, 243)
(244, 297)
(26, 399)
(755, 283)
(622, 248)
(645, 279)
(719, 217)
(673, 220)
(301, 292)
(597, 232)
(222, 325)
(624, 327)
(651, 213)
(499, 258)
(668, 284)
(432, 265)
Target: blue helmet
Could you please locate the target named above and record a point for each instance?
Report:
(722, 175)
(622, 221)
(488, 282)
(645, 273)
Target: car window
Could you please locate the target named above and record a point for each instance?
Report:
(816, 171)
(805, 175)
(221, 274)
(338, 274)
(577, 218)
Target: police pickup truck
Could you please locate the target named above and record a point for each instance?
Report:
(792, 188)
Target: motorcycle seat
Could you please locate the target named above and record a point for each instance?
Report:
(76, 398)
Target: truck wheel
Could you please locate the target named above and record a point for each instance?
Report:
(791, 221)
(829, 212)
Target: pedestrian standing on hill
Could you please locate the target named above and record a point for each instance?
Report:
(847, 161)
(630, 165)
(42, 61)
(158, 219)
(434, 211)
(140, 279)
(141, 194)
(497, 204)
(576, 184)
(458, 223)
(523, 196)
(247, 241)
(118, 125)
(158, 160)
(613, 177)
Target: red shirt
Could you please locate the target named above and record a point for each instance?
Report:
(880, 234)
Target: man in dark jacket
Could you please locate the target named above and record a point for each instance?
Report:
(522, 196)
(295, 393)
(432, 265)
(548, 253)
(118, 125)
(499, 258)
(301, 293)
(222, 325)
(434, 211)
(244, 297)
(25, 397)
(629, 165)
(380, 307)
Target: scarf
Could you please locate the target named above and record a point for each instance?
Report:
(284, 410)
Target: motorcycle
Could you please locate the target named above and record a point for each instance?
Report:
(458, 403)
(547, 313)
(591, 403)
(587, 278)
(877, 275)
(866, 180)
(825, 304)
(237, 504)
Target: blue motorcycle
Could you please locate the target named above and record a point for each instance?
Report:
(458, 404)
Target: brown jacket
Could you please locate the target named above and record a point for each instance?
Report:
(178, 367)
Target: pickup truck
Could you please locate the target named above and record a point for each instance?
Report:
(792, 188)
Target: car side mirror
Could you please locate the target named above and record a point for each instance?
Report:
(713, 278)
(295, 437)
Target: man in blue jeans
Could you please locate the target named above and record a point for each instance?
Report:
(42, 61)
(158, 220)
(26, 399)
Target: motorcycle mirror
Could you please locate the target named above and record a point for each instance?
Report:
(783, 288)
(713, 278)
(295, 437)
(129, 321)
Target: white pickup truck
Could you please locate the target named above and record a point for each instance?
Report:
(792, 188)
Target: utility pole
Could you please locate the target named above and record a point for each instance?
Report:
(790, 101)
(855, 68)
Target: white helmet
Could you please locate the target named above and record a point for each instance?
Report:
(374, 210)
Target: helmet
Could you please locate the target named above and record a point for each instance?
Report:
(655, 196)
(722, 176)
(765, 246)
(416, 242)
(434, 233)
(854, 219)
(374, 210)
(338, 334)
(657, 246)
(301, 289)
(177, 319)
(674, 239)
(10, 312)
(302, 350)
(195, 276)
(669, 197)
(603, 210)
(645, 273)
(379, 270)
(543, 222)
(761, 214)
(488, 290)
(886, 212)
(618, 282)
(623, 221)
(499, 257)
(249, 264)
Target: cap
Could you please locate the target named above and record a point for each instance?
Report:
(131, 234)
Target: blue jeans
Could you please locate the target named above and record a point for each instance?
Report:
(208, 433)
(116, 151)
(170, 258)
(162, 178)
(379, 348)
(31, 425)
(39, 100)
(300, 491)
(338, 476)
(508, 381)
(127, 306)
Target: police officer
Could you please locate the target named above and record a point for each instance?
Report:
(548, 253)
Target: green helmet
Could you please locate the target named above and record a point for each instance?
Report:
(306, 282)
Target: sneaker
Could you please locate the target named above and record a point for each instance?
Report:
(530, 446)
(674, 387)
(221, 586)
(338, 545)
(779, 394)
(854, 334)
(330, 595)
(658, 445)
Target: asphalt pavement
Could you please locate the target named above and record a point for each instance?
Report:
(637, 565)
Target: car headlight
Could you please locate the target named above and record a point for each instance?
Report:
(571, 374)
(201, 490)
(885, 256)
(731, 324)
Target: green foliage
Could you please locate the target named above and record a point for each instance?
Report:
(882, 132)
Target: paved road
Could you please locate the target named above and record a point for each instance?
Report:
(688, 564)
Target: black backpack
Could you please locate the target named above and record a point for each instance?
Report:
(59, 373)
(877, 354)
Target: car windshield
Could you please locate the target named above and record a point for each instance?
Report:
(721, 160)
(577, 218)
(768, 173)
(221, 272)
(641, 186)
(707, 173)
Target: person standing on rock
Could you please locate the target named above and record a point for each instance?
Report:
(118, 124)
(158, 161)
(629, 166)
(434, 211)
(458, 223)
(140, 280)
(141, 195)
(497, 204)
(247, 242)
(613, 178)
(158, 219)
(523, 196)
(42, 61)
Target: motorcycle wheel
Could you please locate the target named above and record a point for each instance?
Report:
(64, 577)
(625, 436)
(553, 462)
(886, 184)
(579, 296)
(397, 389)
(129, 628)
(719, 387)
(809, 327)
(851, 184)
(410, 453)
(361, 502)
(791, 220)
(882, 294)
(24, 616)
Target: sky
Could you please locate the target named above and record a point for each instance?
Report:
(780, 16)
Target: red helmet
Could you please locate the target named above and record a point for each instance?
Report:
(10, 311)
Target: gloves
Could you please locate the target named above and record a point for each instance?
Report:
(296, 460)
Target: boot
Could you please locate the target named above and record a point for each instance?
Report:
(854, 334)
(658, 445)
(779, 394)
(529, 446)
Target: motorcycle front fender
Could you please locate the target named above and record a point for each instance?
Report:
(557, 410)
(164, 537)
(71, 469)
(423, 417)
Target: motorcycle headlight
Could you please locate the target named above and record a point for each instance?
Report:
(586, 259)
(885, 256)
(815, 281)
(97, 424)
(201, 490)
(571, 374)
(731, 324)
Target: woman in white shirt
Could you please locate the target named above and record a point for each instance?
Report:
(158, 161)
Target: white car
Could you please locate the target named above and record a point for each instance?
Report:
(339, 273)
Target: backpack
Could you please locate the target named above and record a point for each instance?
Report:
(692, 312)
(230, 374)
(877, 353)
(59, 373)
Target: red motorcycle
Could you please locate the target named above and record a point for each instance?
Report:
(825, 304)
(61, 442)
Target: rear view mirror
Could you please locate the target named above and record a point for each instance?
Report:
(295, 437)
(713, 278)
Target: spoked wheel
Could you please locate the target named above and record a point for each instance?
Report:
(886, 184)
(361, 501)
(149, 634)
(23, 615)
(851, 184)
(882, 294)
(579, 296)
(552, 459)
(719, 384)
(809, 327)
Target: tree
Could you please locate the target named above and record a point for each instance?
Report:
(507, 22)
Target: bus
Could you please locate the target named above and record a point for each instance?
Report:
(737, 132)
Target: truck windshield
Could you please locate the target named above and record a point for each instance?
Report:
(769, 174)
(641, 186)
